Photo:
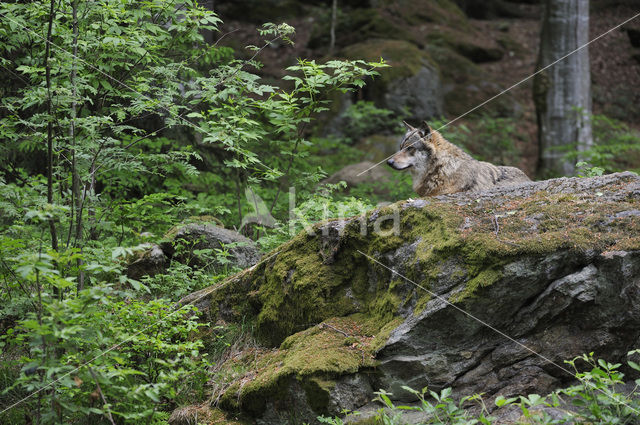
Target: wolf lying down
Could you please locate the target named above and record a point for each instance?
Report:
(438, 167)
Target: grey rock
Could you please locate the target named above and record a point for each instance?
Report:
(243, 251)
(421, 94)
(151, 261)
(349, 393)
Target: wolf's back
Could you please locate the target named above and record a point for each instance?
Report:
(475, 175)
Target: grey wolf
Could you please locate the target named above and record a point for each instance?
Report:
(438, 167)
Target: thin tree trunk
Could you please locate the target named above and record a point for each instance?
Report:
(562, 93)
(238, 195)
(334, 16)
(75, 177)
(47, 67)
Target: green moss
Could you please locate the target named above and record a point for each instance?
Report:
(339, 346)
(218, 417)
(417, 12)
(317, 390)
(484, 278)
(405, 59)
(300, 288)
(383, 334)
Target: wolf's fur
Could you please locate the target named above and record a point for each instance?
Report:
(438, 167)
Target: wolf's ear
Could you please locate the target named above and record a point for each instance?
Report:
(425, 129)
(409, 127)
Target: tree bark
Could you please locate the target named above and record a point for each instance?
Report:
(47, 67)
(562, 93)
(334, 19)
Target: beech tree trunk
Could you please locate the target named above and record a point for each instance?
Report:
(562, 93)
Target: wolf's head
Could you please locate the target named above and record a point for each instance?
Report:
(415, 149)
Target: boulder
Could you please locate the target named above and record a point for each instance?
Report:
(466, 45)
(183, 242)
(480, 291)
(355, 26)
(411, 83)
(417, 12)
(465, 85)
(148, 261)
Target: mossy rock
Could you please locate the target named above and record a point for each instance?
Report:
(416, 12)
(404, 58)
(553, 263)
(466, 45)
(354, 26)
(470, 85)
(410, 86)
(314, 358)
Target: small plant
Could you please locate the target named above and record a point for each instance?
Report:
(616, 148)
(586, 170)
(440, 408)
(598, 398)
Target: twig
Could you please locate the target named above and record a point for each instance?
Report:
(335, 329)
(496, 227)
(104, 400)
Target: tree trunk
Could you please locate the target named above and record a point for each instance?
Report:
(47, 67)
(562, 93)
(334, 23)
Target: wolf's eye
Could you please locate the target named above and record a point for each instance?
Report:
(411, 149)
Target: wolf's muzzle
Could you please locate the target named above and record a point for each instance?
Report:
(391, 163)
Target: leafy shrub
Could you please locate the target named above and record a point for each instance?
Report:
(102, 353)
(616, 147)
